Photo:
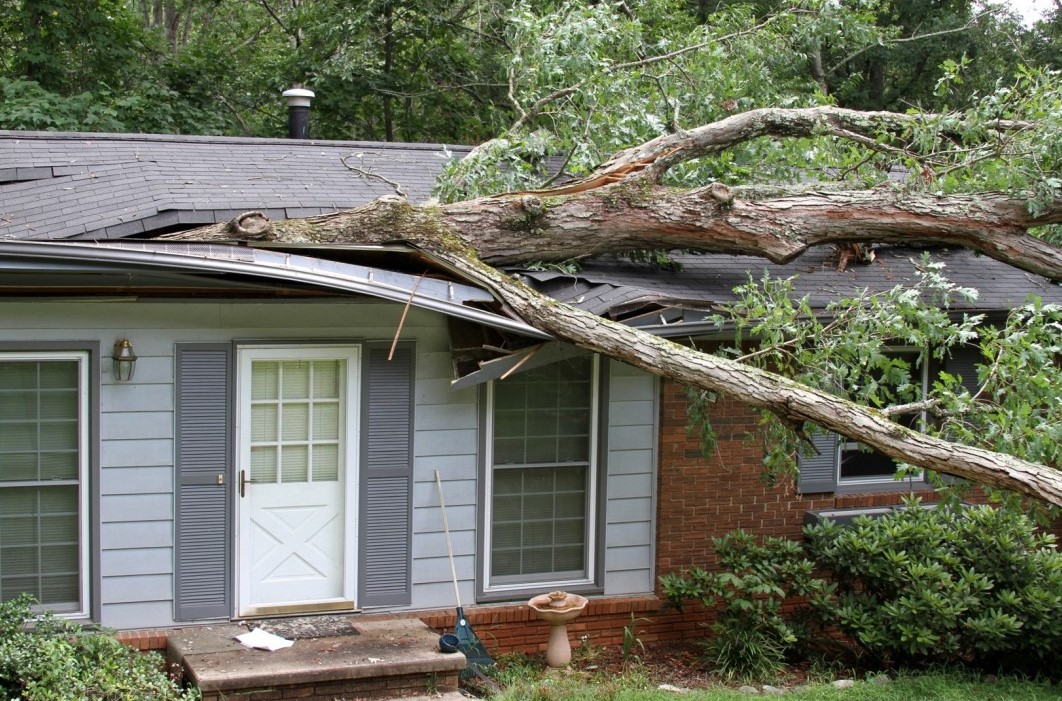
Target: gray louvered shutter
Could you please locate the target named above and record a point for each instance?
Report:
(818, 473)
(387, 477)
(203, 429)
(963, 362)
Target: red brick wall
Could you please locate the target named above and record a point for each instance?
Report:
(702, 498)
(513, 628)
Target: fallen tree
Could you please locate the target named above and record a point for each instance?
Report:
(625, 206)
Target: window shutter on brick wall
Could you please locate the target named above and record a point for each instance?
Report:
(386, 498)
(818, 472)
(963, 362)
(203, 498)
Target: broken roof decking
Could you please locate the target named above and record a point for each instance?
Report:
(675, 302)
(101, 186)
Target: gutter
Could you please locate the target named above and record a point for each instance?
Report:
(441, 296)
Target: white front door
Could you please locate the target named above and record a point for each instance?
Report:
(297, 425)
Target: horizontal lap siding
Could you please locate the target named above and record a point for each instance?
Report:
(446, 439)
(631, 460)
(137, 436)
(137, 472)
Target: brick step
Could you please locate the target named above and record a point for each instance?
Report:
(384, 660)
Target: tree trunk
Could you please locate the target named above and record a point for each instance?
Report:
(621, 207)
(789, 400)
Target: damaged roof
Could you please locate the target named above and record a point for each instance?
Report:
(661, 300)
(98, 187)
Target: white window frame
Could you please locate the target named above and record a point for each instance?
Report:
(847, 445)
(587, 578)
(82, 358)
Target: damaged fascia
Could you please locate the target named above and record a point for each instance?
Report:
(446, 297)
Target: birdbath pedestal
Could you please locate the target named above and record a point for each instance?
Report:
(556, 609)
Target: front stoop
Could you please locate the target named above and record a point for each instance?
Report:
(385, 660)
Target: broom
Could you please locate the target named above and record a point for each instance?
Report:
(467, 642)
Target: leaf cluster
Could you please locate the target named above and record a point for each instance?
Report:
(973, 585)
(751, 635)
(918, 586)
(847, 349)
(44, 658)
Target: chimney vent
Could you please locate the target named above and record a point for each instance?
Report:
(298, 112)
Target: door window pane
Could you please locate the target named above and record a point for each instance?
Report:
(295, 418)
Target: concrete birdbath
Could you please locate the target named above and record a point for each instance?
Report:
(556, 609)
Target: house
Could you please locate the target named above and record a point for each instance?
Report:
(274, 451)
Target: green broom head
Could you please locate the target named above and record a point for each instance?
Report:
(470, 646)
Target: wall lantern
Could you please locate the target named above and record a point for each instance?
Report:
(124, 360)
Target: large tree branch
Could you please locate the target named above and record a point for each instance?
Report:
(631, 216)
(657, 156)
(622, 207)
(441, 231)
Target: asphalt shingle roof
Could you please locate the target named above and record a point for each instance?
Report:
(106, 186)
(99, 186)
(614, 286)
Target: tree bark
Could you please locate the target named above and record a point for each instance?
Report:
(621, 207)
(791, 401)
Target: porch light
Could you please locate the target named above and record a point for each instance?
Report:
(123, 360)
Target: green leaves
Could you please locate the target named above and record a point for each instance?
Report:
(751, 636)
(58, 660)
(931, 585)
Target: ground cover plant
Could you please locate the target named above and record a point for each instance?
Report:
(44, 658)
(601, 675)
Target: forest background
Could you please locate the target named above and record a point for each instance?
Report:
(463, 72)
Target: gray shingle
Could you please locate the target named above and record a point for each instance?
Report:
(612, 285)
(123, 172)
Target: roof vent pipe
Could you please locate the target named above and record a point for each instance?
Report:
(298, 112)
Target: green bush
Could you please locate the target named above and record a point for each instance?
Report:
(971, 585)
(43, 658)
(751, 637)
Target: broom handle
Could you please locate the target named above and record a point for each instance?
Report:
(446, 530)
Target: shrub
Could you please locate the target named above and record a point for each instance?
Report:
(972, 585)
(57, 660)
(752, 636)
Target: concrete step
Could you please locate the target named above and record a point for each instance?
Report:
(382, 660)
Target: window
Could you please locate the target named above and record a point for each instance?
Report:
(857, 464)
(295, 420)
(542, 476)
(43, 468)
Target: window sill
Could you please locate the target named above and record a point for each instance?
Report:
(525, 593)
(904, 487)
(845, 517)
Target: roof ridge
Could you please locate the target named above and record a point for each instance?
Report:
(6, 134)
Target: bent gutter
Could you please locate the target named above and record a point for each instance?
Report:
(444, 297)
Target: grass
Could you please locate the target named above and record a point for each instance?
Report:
(523, 681)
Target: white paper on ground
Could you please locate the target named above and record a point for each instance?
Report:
(264, 640)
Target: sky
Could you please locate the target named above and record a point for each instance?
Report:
(1031, 10)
